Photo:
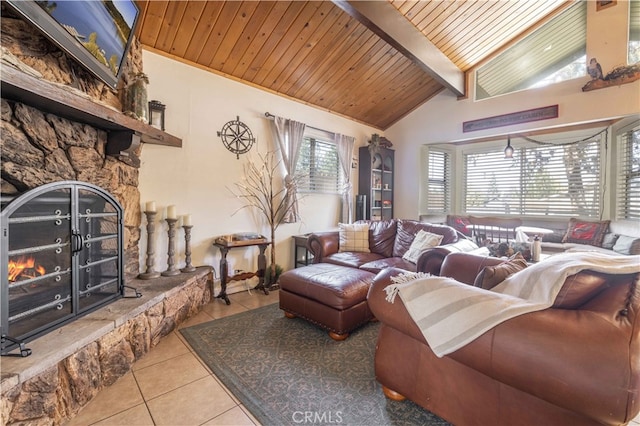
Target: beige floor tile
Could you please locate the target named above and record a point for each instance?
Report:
(136, 416)
(168, 375)
(233, 417)
(199, 318)
(169, 347)
(121, 396)
(254, 300)
(192, 404)
(218, 309)
(248, 414)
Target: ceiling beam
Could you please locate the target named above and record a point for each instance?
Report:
(388, 23)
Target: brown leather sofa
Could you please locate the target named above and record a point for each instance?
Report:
(388, 242)
(577, 362)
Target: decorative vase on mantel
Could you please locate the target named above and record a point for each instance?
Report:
(135, 97)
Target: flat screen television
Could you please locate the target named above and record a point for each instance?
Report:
(96, 33)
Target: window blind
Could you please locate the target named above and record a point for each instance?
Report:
(438, 181)
(628, 188)
(319, 167)
(551, 179)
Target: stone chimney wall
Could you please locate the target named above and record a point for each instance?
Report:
(38, 148)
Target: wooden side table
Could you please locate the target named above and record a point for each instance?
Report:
(302, 256)
(225, 244)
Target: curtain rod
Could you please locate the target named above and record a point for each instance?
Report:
(271, 117)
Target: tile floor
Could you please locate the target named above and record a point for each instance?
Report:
(170, 385)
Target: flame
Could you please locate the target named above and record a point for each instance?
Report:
(24, 268)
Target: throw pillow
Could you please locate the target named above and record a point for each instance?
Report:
(627, 245)
(490, 276)
(424, 240)
(459, 223)
(609, 240)
(585, 232)
(354, 237)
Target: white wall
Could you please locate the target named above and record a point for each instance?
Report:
(198, 177)
(440, 120)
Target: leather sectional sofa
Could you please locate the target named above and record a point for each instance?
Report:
(574, 363)
(332, 292)
(388, 242)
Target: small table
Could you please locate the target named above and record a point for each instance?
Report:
(225, 244)
(302, 256)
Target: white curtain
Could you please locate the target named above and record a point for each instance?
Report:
(289, 135)
(345, 152)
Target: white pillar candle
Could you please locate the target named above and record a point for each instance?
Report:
(171, 212)
(186, 220)
(150, 207)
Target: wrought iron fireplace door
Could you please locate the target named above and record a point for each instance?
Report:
(62, 257)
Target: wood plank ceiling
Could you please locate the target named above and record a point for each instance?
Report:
(314, 52)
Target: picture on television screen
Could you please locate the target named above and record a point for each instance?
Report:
(96, 33)
(102, 27)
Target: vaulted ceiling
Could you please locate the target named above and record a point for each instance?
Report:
(372, 61)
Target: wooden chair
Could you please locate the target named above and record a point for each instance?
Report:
(494, 229)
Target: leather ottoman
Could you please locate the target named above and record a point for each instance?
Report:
(331, 296)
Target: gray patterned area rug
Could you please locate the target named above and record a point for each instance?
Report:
(289, 372)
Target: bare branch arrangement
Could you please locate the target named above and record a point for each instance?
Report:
(260, 189)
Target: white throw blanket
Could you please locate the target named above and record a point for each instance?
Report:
(450, 315)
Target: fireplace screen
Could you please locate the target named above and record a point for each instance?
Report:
(62, 257)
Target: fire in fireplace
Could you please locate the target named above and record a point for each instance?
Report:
(61, 257)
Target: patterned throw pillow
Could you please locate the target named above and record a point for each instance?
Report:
(354, 237)
(424, 240)
(491, 276)
(585, 232)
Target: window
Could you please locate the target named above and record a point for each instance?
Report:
(438, 181)
(319, 166)
(634, 31)
(628, 198)
(541, 179)
(555, 52)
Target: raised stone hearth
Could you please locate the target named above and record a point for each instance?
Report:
(70, 365)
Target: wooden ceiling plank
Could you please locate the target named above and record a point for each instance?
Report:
(150, 27)
(278, 57)
(376, 61)
(220, 28)
(305, 43)
(353, 69)
(187, 27)
(388, 68)
(242, 21)
(333, 26)
(170, 25)
(249, 33)
(203, 30)
(384, 19)
(325, 74)
(282, 28)
(322, 62)
(266, 28)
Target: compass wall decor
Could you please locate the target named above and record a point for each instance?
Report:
(237, 137)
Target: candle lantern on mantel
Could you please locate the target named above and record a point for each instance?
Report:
(156, 114)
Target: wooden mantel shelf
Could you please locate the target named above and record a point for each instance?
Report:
(51, 98)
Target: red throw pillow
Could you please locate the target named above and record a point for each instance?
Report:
(585, 232)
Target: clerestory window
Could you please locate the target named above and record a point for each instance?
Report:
(554, 53)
